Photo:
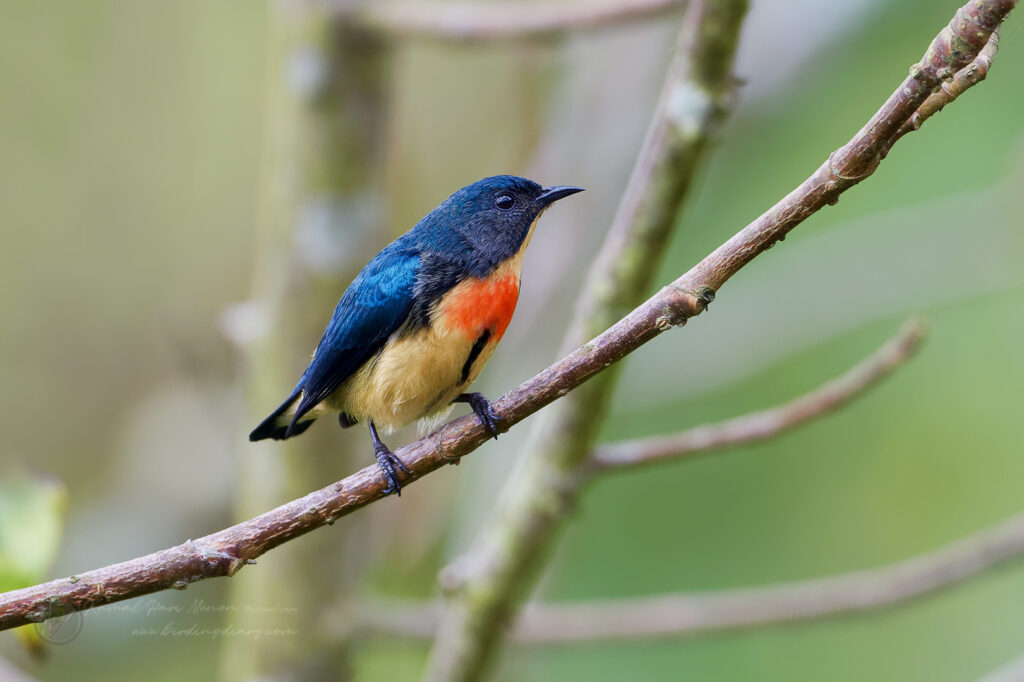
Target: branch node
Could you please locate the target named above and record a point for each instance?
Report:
(870, 163)
(454, 461)
(707, 296)
(214, 557)
(703, 297)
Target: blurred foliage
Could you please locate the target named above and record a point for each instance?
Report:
(131, 140)
(32, 511)
(31, 520)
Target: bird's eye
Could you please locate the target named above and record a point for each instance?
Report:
(504, 202)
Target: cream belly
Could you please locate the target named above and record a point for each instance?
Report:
(412, 377)
(419, 375)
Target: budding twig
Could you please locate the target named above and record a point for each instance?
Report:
(765, 424)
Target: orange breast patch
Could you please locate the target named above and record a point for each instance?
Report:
(477, 305)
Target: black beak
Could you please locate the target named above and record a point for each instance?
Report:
(549, 195)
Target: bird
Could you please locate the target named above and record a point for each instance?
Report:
(421, 319)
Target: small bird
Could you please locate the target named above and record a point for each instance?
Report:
(419, 322)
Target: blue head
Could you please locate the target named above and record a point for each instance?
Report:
(485, 223)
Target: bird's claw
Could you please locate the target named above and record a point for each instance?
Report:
(388, 461)
(485, 413)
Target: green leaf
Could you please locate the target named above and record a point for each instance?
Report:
(32, 511)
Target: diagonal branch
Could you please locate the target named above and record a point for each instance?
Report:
(491, 578)
(764, 424)
(224, 552)
(953, 49)
(478, 22)
(691, 614)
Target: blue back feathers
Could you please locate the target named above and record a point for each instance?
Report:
(372, 308)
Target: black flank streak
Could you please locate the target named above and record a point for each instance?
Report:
(474, 353)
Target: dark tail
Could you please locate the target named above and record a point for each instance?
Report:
(276, 426)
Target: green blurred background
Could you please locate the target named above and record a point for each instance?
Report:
(141, 149)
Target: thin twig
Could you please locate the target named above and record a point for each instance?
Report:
(764, 424)
(969, 76)
(224, 552)
(477, 22)
(690, 614)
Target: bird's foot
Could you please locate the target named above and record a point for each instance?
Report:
(483, 410)
(388, 462)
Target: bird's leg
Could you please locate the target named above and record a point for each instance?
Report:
(483, 410)
(387, 462)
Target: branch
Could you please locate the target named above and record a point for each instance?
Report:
(476, 22)
(758, 426)
(954, 48)
(691, 614)
(223, 553)
(491, 578)
(970, 75)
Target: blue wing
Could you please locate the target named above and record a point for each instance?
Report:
(376, 304)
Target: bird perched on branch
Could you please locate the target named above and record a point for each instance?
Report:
(419, 322)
